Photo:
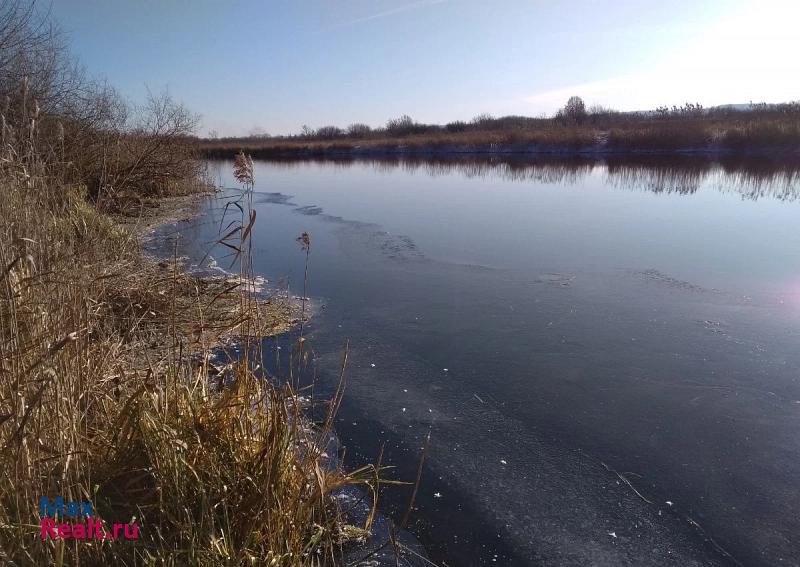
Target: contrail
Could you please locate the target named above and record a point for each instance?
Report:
(390, 12)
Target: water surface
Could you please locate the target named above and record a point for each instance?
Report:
(604, 353)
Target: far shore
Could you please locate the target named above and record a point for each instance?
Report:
(762, 130)
(267, 151)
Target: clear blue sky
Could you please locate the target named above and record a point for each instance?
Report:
(278, 65)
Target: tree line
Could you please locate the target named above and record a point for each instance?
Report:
(574, 113)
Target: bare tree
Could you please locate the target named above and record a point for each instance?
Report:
(401, 126)
(358, 130)
(329, 132)
(484, 120)
(118, 149)
(155, 151)
(52, 114)
(33, 52)
(574, 112)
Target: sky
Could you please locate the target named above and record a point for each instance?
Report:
(273, 66)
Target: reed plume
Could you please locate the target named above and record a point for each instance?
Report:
(305, 243)
(243, 170)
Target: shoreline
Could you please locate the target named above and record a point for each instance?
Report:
(378, 547)
(171, 211)
(336, 150)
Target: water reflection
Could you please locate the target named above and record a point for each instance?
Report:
(631, 312)
(752, 178)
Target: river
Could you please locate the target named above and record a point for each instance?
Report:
(605, 353)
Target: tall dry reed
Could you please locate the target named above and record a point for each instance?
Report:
(107, 395)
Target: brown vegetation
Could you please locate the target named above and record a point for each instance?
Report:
(108, 389)
(758, 128)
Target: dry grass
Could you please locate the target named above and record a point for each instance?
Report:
(666, 136)
(731, 132)
(553, 138)
(115, 384)
(107, 396)
(773, 133)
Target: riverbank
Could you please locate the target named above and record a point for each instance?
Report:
(742, 135)
(301, 151)
(119, 395)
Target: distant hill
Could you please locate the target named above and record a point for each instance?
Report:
(742, 107)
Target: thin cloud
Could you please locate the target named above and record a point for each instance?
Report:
(391, 12)
(743, 56)
(618, 92)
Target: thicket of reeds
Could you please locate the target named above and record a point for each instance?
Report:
(115, 383)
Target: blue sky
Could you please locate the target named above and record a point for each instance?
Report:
(275, 66)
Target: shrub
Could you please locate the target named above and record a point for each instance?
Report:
(358, 130)
(403, 126)
(457, 126)
(329, 133)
